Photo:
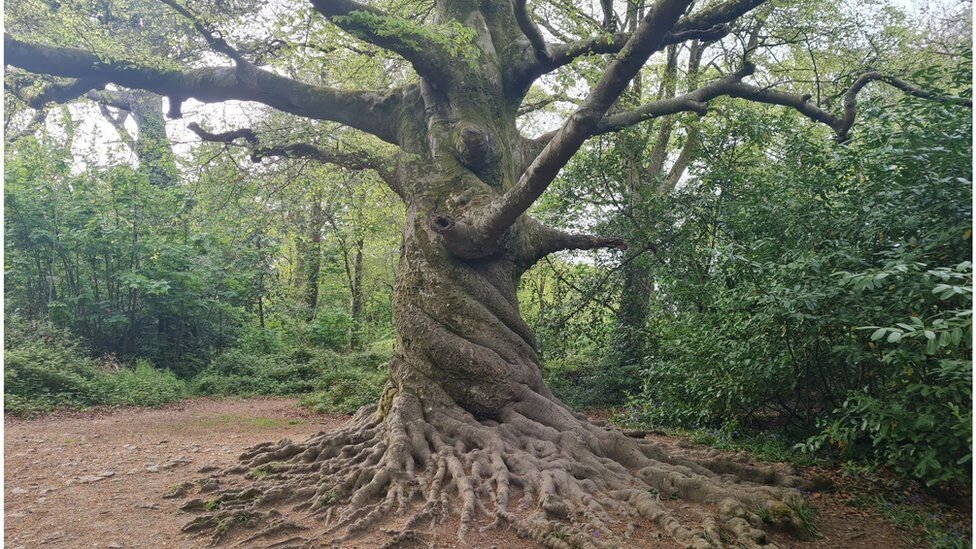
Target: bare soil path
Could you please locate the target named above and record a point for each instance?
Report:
(96, 479)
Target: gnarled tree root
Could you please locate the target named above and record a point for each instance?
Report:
(423, 462)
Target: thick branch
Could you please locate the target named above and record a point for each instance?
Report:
(63, 93)
(531, 30)
(398, 35)
(669, 84)
(683, 160)
(732, 86)
(371, 112)
(359, 160)
(109, 99)
(543, 240)
(648, 38)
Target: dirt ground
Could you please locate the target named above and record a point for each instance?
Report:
(96, 479)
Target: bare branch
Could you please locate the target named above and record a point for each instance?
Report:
(359, 160)
(733, 86)
(214, 40)
(564, 54)
(850, 98)
(648, 38)
(531, 31)
(707, 25)
(371, 112)
(544, 240)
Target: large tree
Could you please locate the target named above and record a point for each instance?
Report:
(466, 414)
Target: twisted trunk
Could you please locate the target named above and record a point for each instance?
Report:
(467, 427)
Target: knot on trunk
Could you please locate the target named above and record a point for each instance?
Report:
(475, 146)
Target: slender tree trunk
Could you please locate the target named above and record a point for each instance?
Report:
(313, 261)
(356, 341)
(260, 289)
(645, 182)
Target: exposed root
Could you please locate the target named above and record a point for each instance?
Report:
(418, 464)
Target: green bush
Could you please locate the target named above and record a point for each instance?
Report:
(46, 368)
(142, 386)
(920, 424)
(587, 379)
(825, 290)
(40, 377)
(333, 382)
(330, 329)
(345, 390)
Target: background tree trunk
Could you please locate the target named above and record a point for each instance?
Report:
(356, 339)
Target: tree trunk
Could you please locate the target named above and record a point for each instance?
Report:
(465, 421)
(643, 182)
(465, 413)
(466, 417)
(356, 340)
(313, 259)
(460, 335)
(635, 295)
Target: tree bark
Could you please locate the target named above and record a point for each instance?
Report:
(313, 259)
(356, 339)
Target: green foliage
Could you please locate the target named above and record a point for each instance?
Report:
(332, 382)
(831, 282)
(927, 526)
(330, 329)
(110, 256)
(46, 368)
(346, 390)
(921, 426)
(793, 285)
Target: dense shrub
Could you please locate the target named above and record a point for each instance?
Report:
(921, 424)
(330, 328)
(46, 368)
(823, 289)
(333, 382)
(588, 379)
(346, 390)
